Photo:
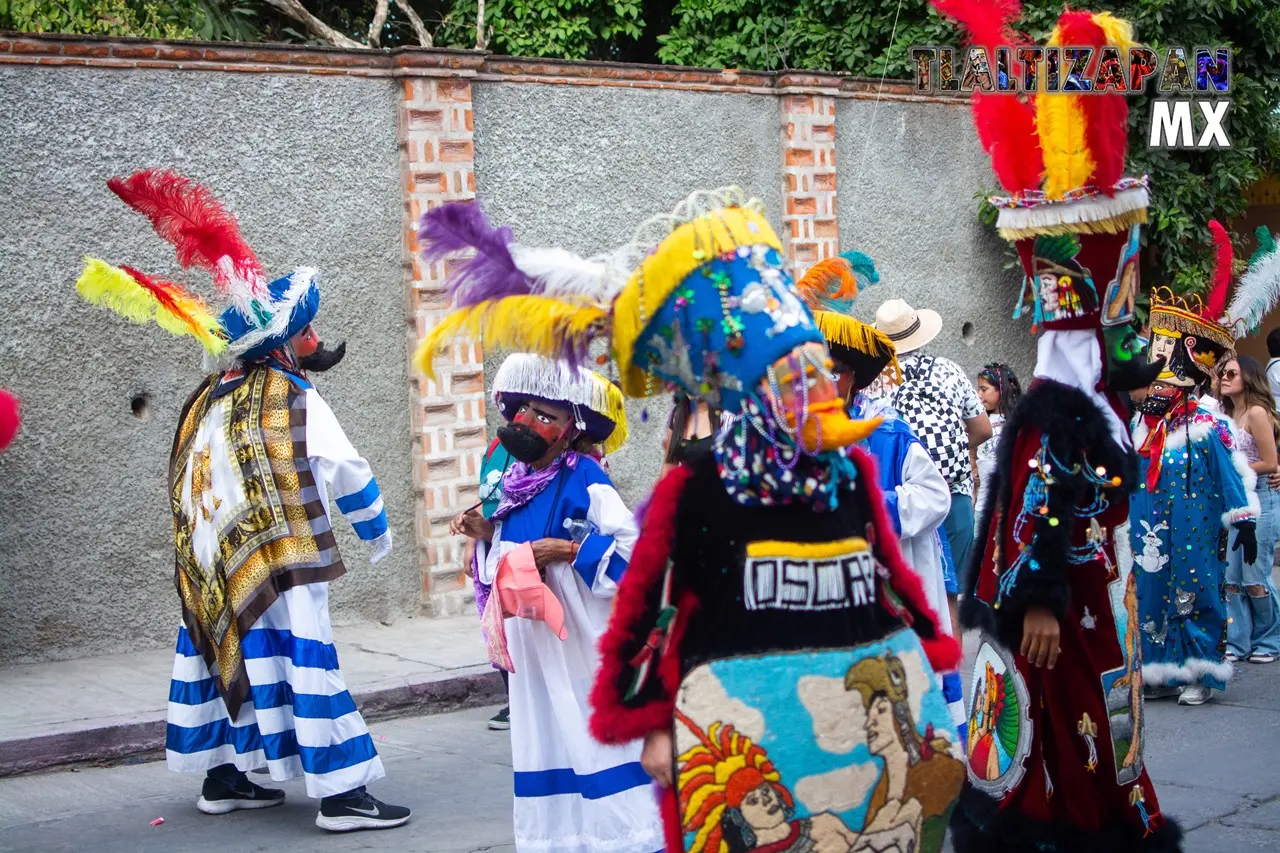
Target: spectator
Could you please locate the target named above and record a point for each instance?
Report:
(999, 390)
(1273, 362)
(942, 407)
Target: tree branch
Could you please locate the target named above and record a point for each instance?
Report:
(419, 28)
(379, 20)
(481, 41)
(294, 9)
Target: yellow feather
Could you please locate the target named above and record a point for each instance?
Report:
(536, 324)
(1118, 31)
(1060, 123)
(111, 287)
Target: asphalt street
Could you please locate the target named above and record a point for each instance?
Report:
(1216, 768)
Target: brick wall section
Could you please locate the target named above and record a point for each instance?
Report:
(809, 177)
(438, 165)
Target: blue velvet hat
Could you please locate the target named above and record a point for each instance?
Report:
(295, 299)
(729, 312)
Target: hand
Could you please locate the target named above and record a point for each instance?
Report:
(1247, 538)
(658, 756)
(1040, 635)
(548, 551)
(381, 548)
(1273, 479)
(472, 525)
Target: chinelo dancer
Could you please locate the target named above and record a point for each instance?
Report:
(757, 688)
(1055, 731)
(917, 496)
(257, 455)
(1193, 483)
(560, 515)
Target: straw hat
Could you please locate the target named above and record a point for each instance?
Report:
(908, 328)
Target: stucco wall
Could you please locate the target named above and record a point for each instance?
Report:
(310, 166)
(908, 176)
(581, 167)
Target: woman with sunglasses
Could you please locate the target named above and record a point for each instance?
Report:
(1253, 624)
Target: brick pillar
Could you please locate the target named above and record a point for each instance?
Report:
(437, 164)
(809, 178)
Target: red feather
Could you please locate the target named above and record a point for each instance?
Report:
(1106, 115)
(201, 230)
(1216, 304)
(1006, 125)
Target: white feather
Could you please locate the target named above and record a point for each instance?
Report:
(281, 313)
(1257, 293)
(558, 272)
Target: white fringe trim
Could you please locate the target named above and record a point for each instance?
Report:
(535, 376)
(1190, 672)
(1051, 214)
(300, 282)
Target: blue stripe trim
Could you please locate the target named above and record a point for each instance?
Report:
(274, 642)
(592, 786)
(590, 553)
(616, 567)
(361, 499)
(952, 691)
(315, 760)
(278, 695)
(371, 528)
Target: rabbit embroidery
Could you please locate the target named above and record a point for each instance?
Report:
(1152, 560)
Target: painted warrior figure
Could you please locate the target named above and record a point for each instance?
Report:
(764, 559)
(1055, 740)
(256, 458)
(1192, 486)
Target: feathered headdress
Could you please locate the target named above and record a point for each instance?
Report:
(1196, 325)
(597, 404)
(139, 298)
(679, 301)
(715, 775)
(1258, 291)
(203, 233)
(829, 288)
(1061, 156)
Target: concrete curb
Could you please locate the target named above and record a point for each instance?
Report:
(467, 687)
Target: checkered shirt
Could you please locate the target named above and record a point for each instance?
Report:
(936, 398)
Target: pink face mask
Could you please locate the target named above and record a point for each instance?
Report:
(523, 594)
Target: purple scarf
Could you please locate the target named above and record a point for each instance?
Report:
(521, 484)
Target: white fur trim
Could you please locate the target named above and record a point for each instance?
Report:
(1075, 212)
(281, 313)
(1189, 672)
(535, 376)
(1252, 509)
(1175, 437)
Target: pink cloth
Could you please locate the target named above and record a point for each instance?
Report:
(522, 593)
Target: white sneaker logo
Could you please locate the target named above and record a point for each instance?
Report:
(373, 812)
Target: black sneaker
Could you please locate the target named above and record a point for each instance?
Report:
(345, 814)
(220, 798)
(501, 721)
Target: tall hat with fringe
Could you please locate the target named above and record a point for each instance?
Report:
(698, 298)
(1071, 212)
(829, 288)
(205, 236)
(1191, 333)
(597, 405)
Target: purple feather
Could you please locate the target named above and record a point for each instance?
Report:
(492, 273)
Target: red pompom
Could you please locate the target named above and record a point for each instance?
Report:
(10, 418)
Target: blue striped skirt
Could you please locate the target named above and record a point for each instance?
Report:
(299, 718)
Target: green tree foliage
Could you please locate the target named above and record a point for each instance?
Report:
(869, 38)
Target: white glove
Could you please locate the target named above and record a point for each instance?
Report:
(381, 547)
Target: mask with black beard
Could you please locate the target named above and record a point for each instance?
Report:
(323, 358)
(1155, 405)
(523, 443)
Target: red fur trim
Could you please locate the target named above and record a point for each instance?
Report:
(612, 721)
(669, 808)
(943, 650)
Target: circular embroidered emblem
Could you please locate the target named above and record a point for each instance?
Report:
(999, 728)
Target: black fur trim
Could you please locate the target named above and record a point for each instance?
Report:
(979, 825)
(1077, 429)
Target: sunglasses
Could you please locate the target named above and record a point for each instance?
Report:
(1229, 374)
